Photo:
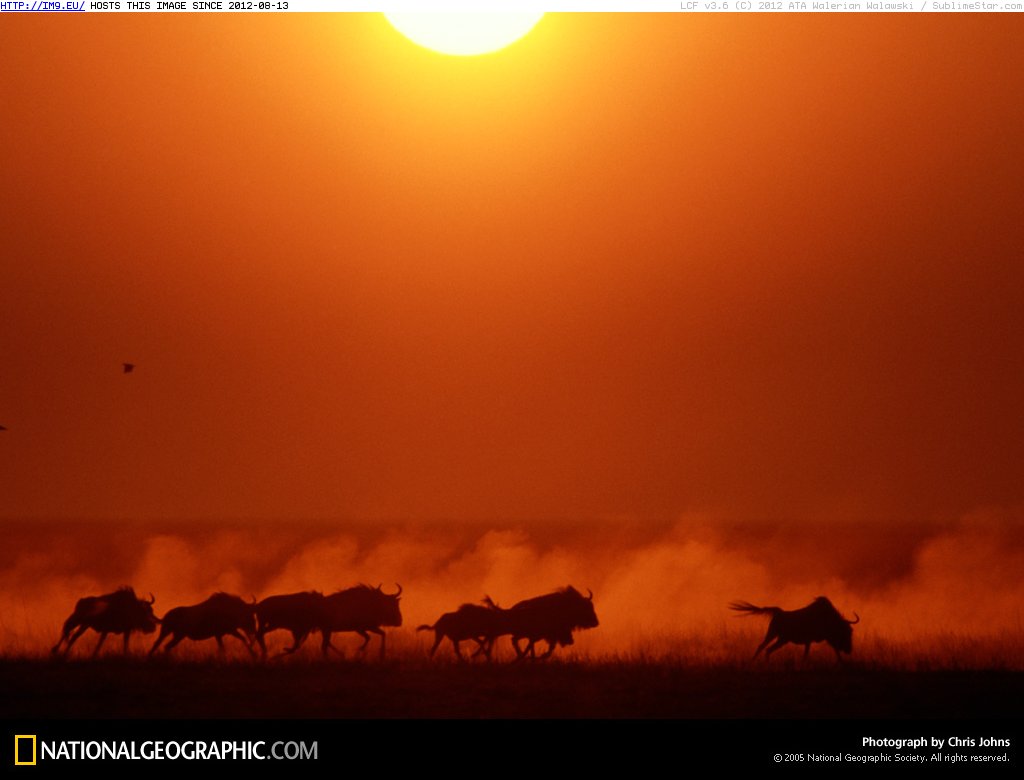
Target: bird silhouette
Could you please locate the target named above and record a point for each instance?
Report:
(128, 367)
(2, 428)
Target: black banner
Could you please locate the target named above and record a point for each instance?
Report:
(514, 745)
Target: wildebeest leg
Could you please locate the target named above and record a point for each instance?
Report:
(327, 644)
(220, 644)
(515, 646)
(529, 652)
(366, 641)
(779, 642)
(438, 638)
(383, 640)
(63, 636)
(127, 636)
(159, 640)
(175, 641)
(243, 639)
(551, 649)
(481, 646)
(103, 638)
(807, 650)
(488, 647)
(768, 638)
(455, 647)
(297, 640)
(74, 638)
(262, 643)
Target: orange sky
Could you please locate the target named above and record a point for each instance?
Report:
(643, 265)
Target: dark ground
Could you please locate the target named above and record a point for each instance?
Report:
(115, 688)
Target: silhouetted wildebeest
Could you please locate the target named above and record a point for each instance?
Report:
(299, 613)
(220, 614)
(120, 612)
(552, 617)
(819, 621)
(361, 609)
(482, 624)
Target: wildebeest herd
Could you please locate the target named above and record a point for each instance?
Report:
(552, 618)
(362, 609)
(366, 610)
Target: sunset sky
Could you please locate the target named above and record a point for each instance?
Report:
(632, 266)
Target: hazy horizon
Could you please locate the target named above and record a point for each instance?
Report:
(650, 587)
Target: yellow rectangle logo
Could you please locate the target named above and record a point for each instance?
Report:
(19, 741)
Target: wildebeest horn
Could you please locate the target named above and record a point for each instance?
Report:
(851, 622)
(395, 595)
(253, 599)
(590, 595)
(380, 585)
(152, 598)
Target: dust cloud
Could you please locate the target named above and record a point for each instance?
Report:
(653, 586)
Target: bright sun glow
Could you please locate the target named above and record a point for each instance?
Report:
(464, 33)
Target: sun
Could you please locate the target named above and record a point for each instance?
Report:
(464, 34)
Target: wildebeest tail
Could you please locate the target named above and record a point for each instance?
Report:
(749, 609)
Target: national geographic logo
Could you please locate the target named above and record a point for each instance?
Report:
(28, 749)
(24, 749)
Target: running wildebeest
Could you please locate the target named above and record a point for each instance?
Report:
(299, 613)
(819, 621)
(220, 614)
(361, 609)
(552, 617)
(482, 624)
(120, 612)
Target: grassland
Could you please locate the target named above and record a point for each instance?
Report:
(112, 687)
(707, 675)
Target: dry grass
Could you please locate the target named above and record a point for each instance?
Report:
(415, 688)
(704, 676)
(712, 648)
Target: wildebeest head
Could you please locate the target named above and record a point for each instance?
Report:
(138, 613)
(387, 603)
(841, 630)
(580, 608)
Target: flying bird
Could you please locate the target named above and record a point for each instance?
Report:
(128, 367)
